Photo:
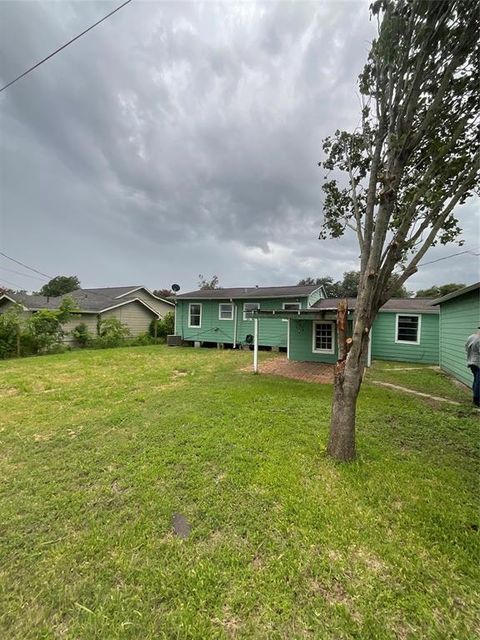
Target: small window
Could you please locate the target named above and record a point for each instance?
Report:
(195, 315)
(248, 307)
(408, 329)
(323, 337)
(291, 306)
(225, 311)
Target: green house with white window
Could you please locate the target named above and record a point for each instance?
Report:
(405, 330)
(224, 316)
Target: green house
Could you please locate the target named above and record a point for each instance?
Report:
(224, 316)
(459, 318)
(405, 330)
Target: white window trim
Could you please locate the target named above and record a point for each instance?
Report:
(299, 306)
(419, 328)
(225, 304)
(257, 308)
(314, 326)
(195, 326)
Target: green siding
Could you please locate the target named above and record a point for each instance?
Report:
(271, 333)
(301, 342)
(384, 346)
(459, 318)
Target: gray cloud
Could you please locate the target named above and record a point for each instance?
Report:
(180, 138)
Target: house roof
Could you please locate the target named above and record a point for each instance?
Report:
(459, 292)
(293, 291)
(121, 292)
(87, 300)
(423, 305)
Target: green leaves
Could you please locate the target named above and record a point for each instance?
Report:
(417, 147)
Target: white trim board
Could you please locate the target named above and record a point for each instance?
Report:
(121, 304)
(149, 292)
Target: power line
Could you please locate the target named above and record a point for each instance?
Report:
(11, 283)
(25, 265)
(25, 275)
(64, 46)
(460, 253)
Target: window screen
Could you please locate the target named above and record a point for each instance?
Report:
(225, 311)
(407, 328)
(248, 307)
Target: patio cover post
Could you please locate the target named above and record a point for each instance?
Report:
(255, 345)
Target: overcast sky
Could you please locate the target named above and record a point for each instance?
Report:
(182, 138)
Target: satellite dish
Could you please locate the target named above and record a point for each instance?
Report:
(249, 338)
(175, 287)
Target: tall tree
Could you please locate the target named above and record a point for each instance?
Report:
(203, 283)
(438, 292)
(163, 293)
(348, 287)
(60, 285)
(399, 177)
(330, 287)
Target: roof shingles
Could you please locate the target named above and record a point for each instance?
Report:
(250, 292)
(87, 300)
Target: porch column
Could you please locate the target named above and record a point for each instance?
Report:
(255, 345)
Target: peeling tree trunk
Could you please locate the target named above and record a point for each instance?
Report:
(341, 444)
(348, 378)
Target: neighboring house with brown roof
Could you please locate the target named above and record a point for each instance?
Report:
(133, 306)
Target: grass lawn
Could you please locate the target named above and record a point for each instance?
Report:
(100, 448)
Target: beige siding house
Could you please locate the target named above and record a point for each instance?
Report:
(136, 307)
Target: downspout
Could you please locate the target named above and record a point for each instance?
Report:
(255, 345)
(369, 353)
(288, 338)
(234, 323)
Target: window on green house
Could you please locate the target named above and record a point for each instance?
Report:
(291, 306)
(195, 315)
(225, 311)
(323, 337)
(408, 329)
(248, 307)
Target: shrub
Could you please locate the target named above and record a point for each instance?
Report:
(112, 333)
(82, 335)
(142, 339)
(165, 326)
(44, 330)
(168, 324)
(10, 333)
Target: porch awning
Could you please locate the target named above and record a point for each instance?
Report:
(296, 314)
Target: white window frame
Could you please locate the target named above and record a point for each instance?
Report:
(225, 304)
(256, 308)
(314, 327)
(194, 326)
(299, 306)
(419, 328)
